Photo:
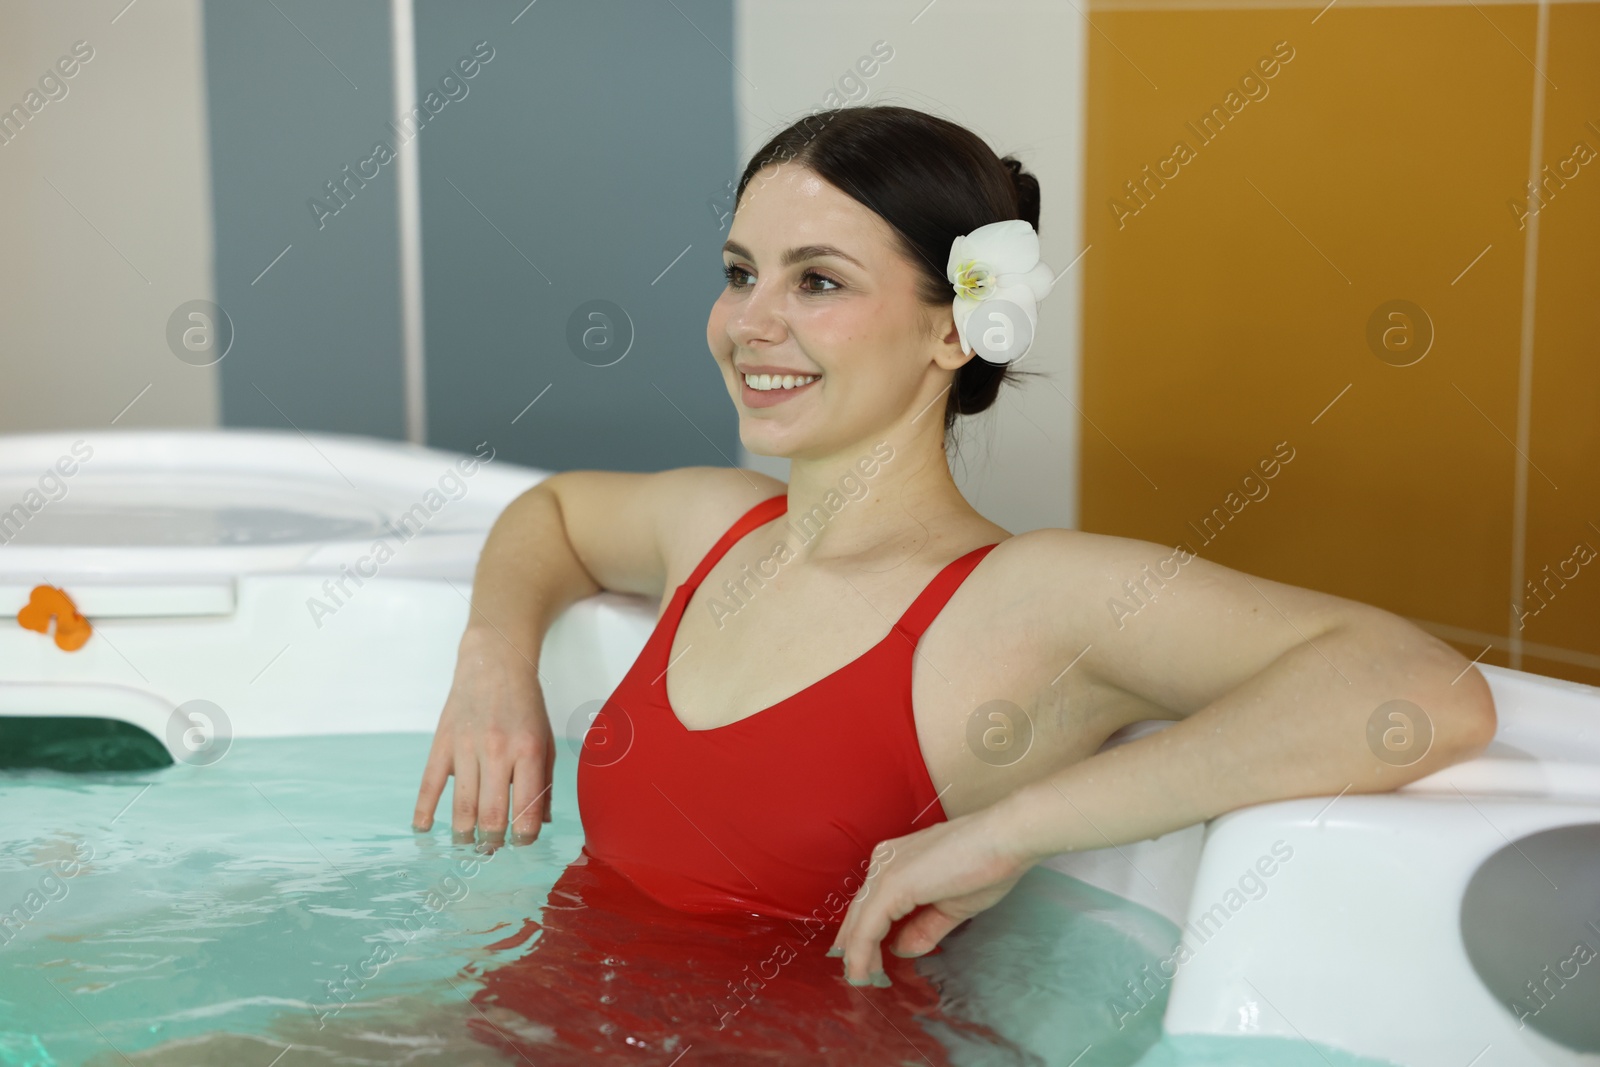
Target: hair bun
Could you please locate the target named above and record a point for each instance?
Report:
(1026, 186)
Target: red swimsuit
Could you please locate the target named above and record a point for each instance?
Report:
(777, 813)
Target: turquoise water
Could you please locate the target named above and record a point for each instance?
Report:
(277, 904)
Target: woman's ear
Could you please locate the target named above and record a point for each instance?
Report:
(949, 355)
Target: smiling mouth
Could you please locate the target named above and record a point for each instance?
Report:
(772, 382)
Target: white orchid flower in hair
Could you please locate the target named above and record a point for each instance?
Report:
(998, 262)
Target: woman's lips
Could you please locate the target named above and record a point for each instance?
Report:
(766, 398)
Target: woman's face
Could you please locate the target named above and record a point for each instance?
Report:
(818, 287)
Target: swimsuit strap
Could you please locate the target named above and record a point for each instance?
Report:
(917, 617)
(931, 600)
(759, 515)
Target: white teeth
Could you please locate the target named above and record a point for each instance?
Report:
(762, 382)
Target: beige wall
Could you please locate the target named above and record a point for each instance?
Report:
(86, 287)
(1019, 461)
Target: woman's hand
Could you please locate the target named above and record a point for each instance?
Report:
(495, 738)
(956, 868)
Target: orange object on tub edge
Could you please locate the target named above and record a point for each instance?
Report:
(47, 602)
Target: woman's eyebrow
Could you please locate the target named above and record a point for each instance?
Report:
(797, 255)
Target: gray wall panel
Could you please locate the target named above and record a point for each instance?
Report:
(298, 89)
(587, 150)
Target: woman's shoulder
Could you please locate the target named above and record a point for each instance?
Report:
(1058, 548)
(1056, 571)
(707, 502)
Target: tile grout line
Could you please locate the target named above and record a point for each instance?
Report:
(1530, 274)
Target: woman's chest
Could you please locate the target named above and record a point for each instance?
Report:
(744, 642)
(983, 686)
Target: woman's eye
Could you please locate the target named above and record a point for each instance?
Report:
(811, 281)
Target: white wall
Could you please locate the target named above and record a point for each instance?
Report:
(1013, 72)
(86, 287)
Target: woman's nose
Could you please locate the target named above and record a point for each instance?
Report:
(757, 318)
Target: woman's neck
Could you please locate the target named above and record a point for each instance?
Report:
(883, 496)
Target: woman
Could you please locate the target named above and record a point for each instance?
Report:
(778, 764)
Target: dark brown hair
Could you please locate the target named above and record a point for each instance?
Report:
(931, 181)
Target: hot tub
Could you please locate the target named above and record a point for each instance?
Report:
(263, 896)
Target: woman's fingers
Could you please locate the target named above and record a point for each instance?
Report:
(866, 922)
(494, 786)
(953, 867)
(866, 927)
(924, 930)
(528, 799)
(549, 779)
(493, 734)
(464, 800)
(435, 773)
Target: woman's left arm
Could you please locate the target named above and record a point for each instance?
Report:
(1281, 692)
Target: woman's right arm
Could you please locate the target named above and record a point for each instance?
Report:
(571, 536)
(493, 735)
